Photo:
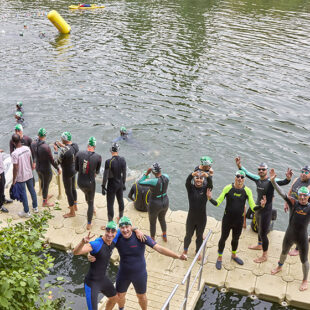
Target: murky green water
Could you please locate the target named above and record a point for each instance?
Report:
(187, 77)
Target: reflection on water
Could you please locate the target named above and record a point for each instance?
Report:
(212, 299)
(189, 78)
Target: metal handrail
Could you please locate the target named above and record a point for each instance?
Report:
(188, 276)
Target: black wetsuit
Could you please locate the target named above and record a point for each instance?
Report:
(263, 216)
(233, 215)
(44, 160)
(96, 280)
(197, 213)
(115, 175)
(296, 231)
(25, 140)
(67, 162)
(140, 196)
(159, 202)
(88, 164)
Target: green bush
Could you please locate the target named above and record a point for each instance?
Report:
(23, 263)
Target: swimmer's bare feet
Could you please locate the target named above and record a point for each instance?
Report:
(261, 259)
(303, 286)
(276, 270)
(70, 214)
(294, 252)
(88, 226)
(255, 247)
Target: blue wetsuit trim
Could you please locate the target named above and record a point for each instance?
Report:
(88, 296)
(96, 245)
(117, 236)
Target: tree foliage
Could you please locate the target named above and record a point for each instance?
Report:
(23, 263)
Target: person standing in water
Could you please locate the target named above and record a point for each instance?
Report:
(88, 164)
(159, 201)
(236, 195)
(263, 216)
(115, 175)
(66, 151)
(296, 231)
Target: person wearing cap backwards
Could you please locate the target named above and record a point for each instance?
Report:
(296, 231)
(22, 175)
(159, 201)
(236, 195)
(43, 160)
(115, 175)
(263, 216)
(19, 117)
(205, 165)
(87, 164)
(66, 151)
(197, 214)
(303, 180)
(132, 267)
(19, 107)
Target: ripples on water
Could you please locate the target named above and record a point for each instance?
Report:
(188, 77)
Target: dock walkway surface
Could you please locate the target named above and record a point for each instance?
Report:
(164, 272)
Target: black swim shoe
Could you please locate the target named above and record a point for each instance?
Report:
(3, 209)
(218, 265)
(238, 260)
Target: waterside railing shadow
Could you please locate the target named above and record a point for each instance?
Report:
(187, 277)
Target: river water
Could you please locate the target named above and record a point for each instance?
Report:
(187, 77)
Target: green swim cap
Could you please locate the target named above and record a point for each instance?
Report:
(92, 141)
(19, 127)
(123, 130)
(240, 172)
(42, 132)
(304, 190)
(66, 136)
(124, 221)
(206, 161)
(19, 114)
(19, 104)
(112, 225)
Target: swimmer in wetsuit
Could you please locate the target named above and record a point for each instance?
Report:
(19, 117)
(263, 216)
(132, 268)
(115, 175)
(25, 140)
(303, 180)
(296, 231)
(19, 107)
(159, 202)
(87, 164)
(124, 135)
(43, 160)
(140, 196)
(66, 151)
(96, 280)
(196, 184)
(236, 195)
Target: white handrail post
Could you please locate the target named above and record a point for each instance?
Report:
(186, 291)
(202, 262)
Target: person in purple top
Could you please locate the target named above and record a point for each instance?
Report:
(132, 268)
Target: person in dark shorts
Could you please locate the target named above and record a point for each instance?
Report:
(159, 202)
(115, 175)
(296, 231)
(66, 151)
(96, 280)
(132, 268)
(303, 180)
(236, 195)
(196, 184)
(87, 164)
(44, 161)
(263, 216)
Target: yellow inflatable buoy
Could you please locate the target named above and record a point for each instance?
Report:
(58, 22)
